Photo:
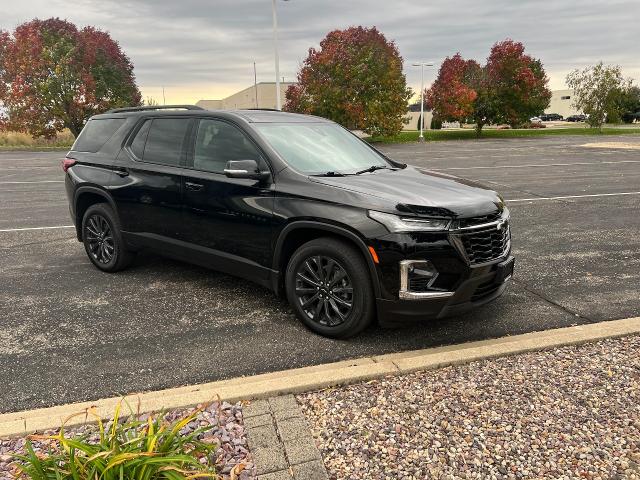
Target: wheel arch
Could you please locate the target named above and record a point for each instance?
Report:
(86, 196)
(300, 232)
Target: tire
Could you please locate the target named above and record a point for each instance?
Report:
(103, 240)
(338, 273)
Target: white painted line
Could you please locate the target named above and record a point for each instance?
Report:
(38, 181)
(537, 199)
(36, 228)
(538, 165)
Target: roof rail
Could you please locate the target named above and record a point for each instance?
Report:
(263, 109)
(154, 107)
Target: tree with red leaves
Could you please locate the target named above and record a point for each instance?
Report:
(54, 76)
(451, 97)
(518, 83)
(355, 79)
(510, 88)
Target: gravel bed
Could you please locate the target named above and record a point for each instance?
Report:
(570, 412)
(228, 433)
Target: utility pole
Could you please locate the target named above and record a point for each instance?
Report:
(275, 48)
(422, 65)
(164, 102)
(255, 82)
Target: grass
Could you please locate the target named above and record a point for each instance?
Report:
(23, 141)
(437, 135)
(129, 448)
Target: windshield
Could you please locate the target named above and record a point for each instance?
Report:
(320, 148)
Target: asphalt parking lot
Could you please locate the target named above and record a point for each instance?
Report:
(71, 333)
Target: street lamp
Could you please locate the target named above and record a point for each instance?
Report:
(421, 65)
(275, 47)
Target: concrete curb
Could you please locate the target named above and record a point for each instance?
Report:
(321, 376)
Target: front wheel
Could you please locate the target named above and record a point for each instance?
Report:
(329, 287)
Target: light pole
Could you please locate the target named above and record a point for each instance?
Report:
(275, 47)
(421, 65)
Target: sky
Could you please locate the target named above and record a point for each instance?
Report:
(205, 49)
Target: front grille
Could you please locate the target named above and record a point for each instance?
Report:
(487, 244)
(469, 222)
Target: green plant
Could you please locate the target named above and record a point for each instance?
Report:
(597, 92)
(130, 448)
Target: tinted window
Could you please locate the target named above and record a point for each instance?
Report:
(96, 133)
(164, 141)
(218, 142)
(137, 146)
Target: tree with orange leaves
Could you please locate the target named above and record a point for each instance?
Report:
(355, 79)
(54, 76)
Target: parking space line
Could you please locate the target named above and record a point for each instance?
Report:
(35, 181)
(538, 165)
(535, 199)
(36, 228)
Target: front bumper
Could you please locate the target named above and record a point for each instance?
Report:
(483, 285)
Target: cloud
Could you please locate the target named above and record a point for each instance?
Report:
(206, 48)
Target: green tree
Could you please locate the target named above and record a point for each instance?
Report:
(355, 79)
(628, 103)
(54, 76)
(596, 91)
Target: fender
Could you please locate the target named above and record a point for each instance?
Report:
(89, 189)
(296, 225)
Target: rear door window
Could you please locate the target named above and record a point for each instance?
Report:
(165, 141)
(96, 133)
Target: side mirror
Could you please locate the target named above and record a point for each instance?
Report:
(244, 169)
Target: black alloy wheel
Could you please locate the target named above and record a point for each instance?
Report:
(324, 290)
(103, 240)
(329, 287)
(99, 237)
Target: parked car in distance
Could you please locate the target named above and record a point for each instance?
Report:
(535, 119)
(576, 118)
(551, 117)
(295, 203)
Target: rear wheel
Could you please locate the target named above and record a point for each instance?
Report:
(103, 240)
(329, 287)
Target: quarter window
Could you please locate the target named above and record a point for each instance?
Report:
(96, 133)
(217, 142)
(137, 146)
(165, 141)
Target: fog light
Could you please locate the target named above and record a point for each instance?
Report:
(417, 278)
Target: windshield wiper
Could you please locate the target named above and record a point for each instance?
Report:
(328, 174)
(373, 168)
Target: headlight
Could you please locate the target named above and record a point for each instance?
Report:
(396, 224)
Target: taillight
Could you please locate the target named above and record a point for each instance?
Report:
(68, 163)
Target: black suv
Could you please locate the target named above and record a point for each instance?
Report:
(295, 203)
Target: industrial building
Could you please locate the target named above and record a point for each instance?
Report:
(261, 95)
(562, 103)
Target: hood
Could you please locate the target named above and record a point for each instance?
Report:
(420, 192)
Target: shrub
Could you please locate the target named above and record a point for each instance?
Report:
(131, 449)
(436, 123)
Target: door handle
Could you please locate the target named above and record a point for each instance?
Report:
(195, 187)
(122, 171)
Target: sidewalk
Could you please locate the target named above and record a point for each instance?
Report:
(569, 412)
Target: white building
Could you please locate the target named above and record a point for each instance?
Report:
(262, 95)
(562, 103)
